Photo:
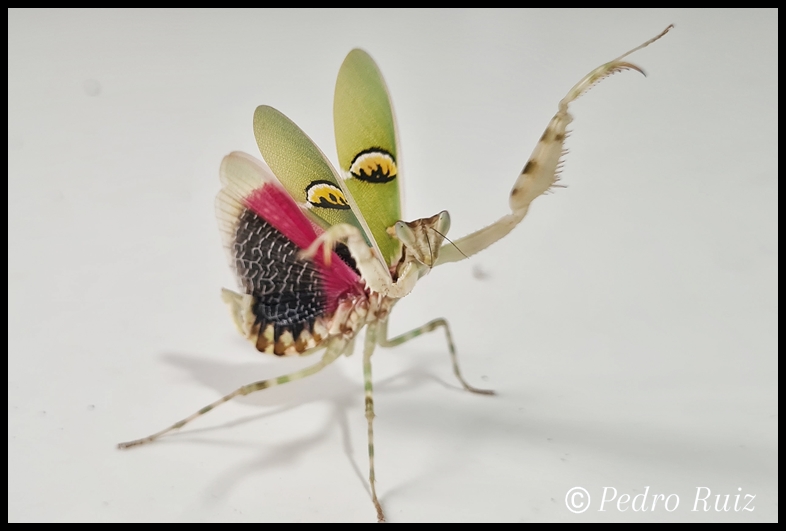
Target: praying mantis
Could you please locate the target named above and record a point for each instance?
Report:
(321, 253)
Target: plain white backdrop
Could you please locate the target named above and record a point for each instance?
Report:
(629, 324)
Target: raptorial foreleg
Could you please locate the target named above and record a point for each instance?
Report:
(373, 271)
(541, 172)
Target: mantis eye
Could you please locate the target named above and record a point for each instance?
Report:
(442, 225)
(423, 237)
(405, 234)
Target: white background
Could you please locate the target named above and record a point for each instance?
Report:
(629, 324)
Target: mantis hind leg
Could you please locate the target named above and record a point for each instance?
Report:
(383, 341)
(334, 350)
(368, 350)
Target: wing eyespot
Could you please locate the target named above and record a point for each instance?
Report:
(326, 195)
(374, 165)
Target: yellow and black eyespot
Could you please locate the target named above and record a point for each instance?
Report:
(326, 195)
(374, 165)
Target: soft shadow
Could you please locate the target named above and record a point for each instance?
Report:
(329, 385)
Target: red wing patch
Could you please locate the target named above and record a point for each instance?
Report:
(274, 205)
(264, 231)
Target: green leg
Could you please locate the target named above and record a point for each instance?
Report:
(334, 350)
(428, 327)
(368, 350)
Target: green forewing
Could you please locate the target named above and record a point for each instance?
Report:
(367, 150)
(301, 168)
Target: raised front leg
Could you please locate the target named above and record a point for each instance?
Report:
(542, 170)
(373, 271)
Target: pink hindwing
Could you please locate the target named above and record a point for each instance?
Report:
(264, 231)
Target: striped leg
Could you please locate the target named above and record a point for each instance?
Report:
(383, 341)
(334, 349)
(368, 350)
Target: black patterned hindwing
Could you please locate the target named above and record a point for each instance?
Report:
(288, 292)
